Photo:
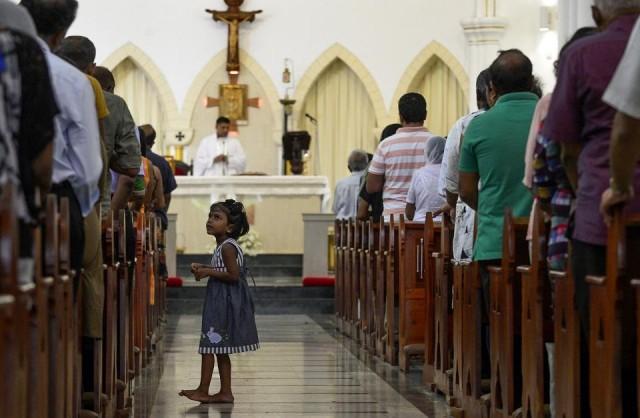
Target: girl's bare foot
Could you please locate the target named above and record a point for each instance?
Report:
(187, 392)
(221, 398)
(198, 396)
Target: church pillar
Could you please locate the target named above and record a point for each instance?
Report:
(573, 14)
(483, 33)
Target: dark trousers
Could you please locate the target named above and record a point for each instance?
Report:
(485, 297)
(587, 259)
(76, 224)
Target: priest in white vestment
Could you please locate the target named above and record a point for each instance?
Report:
(218, 154)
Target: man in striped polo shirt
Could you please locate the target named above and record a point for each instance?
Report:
(400, 155)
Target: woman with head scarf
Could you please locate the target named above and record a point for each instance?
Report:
(423, 193)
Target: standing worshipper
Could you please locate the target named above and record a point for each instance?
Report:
(623, 94)
(448, 183)
(371, 205)
(27, 111)
(345, 198)
(581, 123)
(492, 153)
(399, 156)
(77, 163)
(168, 178)
(219, 154)
(423, 195)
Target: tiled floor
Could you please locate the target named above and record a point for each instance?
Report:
(301, 371)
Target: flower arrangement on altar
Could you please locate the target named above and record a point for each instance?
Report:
(250, 243)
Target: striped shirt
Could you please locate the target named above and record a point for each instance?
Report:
(396, 158)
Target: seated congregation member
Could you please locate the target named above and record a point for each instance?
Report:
(581, 123)
(465, 217)
(77, 162)
(400, 155)
(623, 94)
(370, 205)
(345, 198)
(168, 179)
(153, 200)
(423, 193)
(26, 137)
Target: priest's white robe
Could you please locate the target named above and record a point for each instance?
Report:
(212, 146)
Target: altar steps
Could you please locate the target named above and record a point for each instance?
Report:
(277, 290)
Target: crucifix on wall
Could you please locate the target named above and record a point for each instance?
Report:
(233, 100)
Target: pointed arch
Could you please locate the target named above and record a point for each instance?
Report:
(193, 98)
(144, 62)
(337, 51)
(434, 50)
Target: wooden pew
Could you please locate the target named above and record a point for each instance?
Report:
(13, 385)
(383, 268)
(57, 337)
(471, 402)
(443, 319)
(362, 248)
(415, 290)
(536, 322)
(371, 256)
(504, 319)
(394, 268)
(354, 293)
(612, 324)
(110, 322)
(124, 310)
(566, 325)
(457, 371)
(339, 248)
(348, 276)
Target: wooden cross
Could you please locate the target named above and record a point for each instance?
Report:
(233, 17)
(233, 100)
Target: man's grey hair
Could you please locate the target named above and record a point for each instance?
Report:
(614, 6)
(358, 160)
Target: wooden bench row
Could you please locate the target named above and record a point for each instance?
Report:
(401, 296)
(40, 322)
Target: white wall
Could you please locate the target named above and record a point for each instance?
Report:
(385, 35)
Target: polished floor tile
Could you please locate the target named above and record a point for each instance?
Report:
(301, 370)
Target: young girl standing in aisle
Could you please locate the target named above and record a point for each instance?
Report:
(228, 321)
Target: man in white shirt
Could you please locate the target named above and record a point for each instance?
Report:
(77, 162)
(449, 175)
(218, 154)
(345, 199)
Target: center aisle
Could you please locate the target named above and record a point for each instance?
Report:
(300, 371)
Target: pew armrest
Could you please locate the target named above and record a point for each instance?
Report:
(523, 269)
(29, 288)
(437, 255)
(494, 269)
(635, 282)
(557, 275)
(7, 300)
(596, 280)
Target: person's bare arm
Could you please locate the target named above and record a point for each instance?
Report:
(375, 183)
(570, 154)
(159, 191)
(363, 209)
(232, 275)
(42, 167)
(624, 153)
(410, 211)
(452, 199)
(469, 189)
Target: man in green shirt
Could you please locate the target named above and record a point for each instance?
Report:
(493, 153)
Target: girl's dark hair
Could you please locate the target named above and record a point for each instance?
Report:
(236, 214)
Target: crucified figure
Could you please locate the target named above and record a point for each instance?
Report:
(233, 17)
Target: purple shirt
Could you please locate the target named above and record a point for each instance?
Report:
(578, 115)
